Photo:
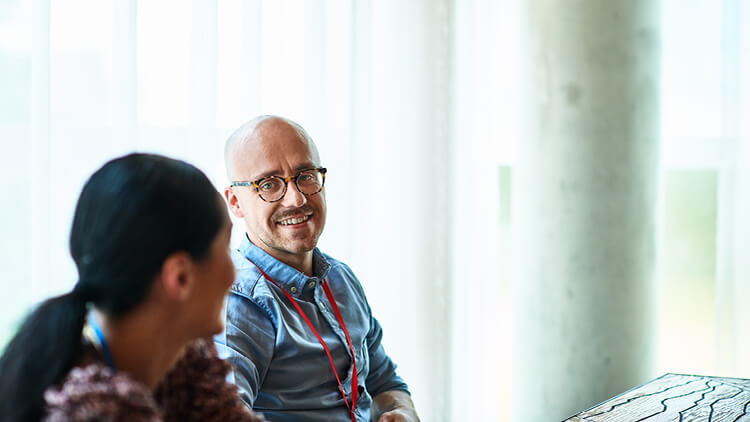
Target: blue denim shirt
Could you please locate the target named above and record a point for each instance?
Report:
(279, 366)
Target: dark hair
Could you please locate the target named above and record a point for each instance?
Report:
(132, 214)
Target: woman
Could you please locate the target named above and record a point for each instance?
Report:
(131, 341)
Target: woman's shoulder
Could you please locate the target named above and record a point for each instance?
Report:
(93, 391)
(196, 389)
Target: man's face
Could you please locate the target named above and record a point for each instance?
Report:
(290, 226)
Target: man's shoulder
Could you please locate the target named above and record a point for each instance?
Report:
(334, 263)
(246, 281)
(341, 276)
(339, 270)
(250, 298)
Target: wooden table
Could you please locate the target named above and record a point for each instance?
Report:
(674, 397)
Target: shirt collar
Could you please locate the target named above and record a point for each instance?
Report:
(286, 276)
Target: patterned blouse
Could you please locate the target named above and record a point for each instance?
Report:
(195, 389)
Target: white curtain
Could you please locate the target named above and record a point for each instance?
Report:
(705, 138)
(370, 81)
(413, 107)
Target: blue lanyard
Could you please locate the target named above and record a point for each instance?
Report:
(102, 341)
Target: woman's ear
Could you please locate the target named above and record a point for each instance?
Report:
(177, 276)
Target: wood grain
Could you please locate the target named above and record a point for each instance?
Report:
(679, 398)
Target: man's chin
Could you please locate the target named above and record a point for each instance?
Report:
(297, 244)
(292, 246)
(298, 249)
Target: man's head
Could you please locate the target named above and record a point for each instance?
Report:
(288, 228)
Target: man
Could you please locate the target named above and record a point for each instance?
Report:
(296, 318)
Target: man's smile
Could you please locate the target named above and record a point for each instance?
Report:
(294, 220)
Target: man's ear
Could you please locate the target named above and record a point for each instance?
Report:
(177, 276)
(234, 202)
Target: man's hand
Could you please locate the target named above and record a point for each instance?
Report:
(399, 415)
(394, 406)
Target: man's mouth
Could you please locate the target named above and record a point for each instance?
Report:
(294, 220)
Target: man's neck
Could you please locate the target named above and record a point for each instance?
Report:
(302, 262)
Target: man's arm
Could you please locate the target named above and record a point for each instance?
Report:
(393, 406)
(391, 400)
(247, 343)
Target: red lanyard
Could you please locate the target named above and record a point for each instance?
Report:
(335, 307)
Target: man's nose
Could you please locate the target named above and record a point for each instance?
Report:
(293, 197)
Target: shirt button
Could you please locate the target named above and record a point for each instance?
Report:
(293, 289)
(311, 284)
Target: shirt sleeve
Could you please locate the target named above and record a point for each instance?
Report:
(382, 376)
(247, 343)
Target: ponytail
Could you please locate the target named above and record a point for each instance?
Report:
(43, 350)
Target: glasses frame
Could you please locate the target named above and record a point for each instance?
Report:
(256, 183)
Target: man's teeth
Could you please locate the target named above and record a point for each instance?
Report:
(297, 220)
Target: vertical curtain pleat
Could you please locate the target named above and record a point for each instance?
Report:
(740, 282)
(124, 73)
(203, 64)
(730, 193)
(239, 72)
(204, 141)
(40, 150)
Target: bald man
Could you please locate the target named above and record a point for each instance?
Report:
(297, 320)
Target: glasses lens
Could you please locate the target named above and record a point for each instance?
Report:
(310, 182)
(271, 188)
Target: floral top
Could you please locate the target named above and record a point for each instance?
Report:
(195, 389)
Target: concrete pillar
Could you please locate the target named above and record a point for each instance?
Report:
(585, 194)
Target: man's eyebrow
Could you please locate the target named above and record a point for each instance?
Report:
(264, 175)
(300, 167)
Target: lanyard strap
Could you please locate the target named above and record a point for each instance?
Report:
(102, 342)
(355, 385)
(329, 295)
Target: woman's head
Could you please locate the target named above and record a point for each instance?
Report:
(133, 214)
(142, 221)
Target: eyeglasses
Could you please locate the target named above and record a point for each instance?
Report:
(273, 188)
